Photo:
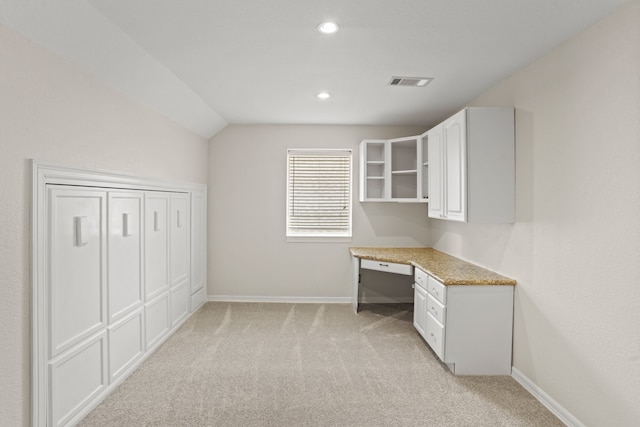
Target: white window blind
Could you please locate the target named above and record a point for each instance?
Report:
(319, 193)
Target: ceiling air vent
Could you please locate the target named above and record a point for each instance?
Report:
(410, 81)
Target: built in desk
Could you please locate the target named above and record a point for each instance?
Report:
(463, 311)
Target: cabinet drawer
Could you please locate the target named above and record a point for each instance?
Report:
(437, 289)
(421, 278)
(434, 335)
(389, 267)
(436, 308)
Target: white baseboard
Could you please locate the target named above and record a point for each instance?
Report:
(311, 300)
(557, 409)
(384, 300)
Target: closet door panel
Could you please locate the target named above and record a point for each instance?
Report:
(157, 320)
(125, 253)
(126, 343)
(198, 241)
(180, 297)
(156, 248)
(77, 378)
(180, 230)
(76, 258)
(197, 299)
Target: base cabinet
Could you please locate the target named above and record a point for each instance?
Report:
(468, 327)
(420, 309)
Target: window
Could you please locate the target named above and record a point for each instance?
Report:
(319, 194)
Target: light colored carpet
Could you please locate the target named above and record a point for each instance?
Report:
(254, 364)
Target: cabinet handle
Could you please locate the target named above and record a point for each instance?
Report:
(383, 265)
(126, 227)
(82, 230)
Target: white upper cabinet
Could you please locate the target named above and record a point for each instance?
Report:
(472, 166)
(392, 170)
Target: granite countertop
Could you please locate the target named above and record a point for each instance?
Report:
(446, 268)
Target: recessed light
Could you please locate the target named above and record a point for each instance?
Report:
(328, 27)
(323, 95)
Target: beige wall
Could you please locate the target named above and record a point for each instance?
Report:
(248, 252)
(575, 249)
(52, 111)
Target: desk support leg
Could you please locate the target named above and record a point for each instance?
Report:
(355, 279)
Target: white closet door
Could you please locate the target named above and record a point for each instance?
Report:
(125, 253)
(76, 256)
(156, 252)
(198, 241)
(180, 230)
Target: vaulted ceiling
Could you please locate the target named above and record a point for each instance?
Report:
(207, 63)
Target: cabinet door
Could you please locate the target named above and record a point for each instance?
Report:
(419, 309)
(180, 298)
(423, 168)
(180, 229)
(125, 253)
(76, 257)
(435, 335)
(435, 150)
(156, 250)
(455, 166)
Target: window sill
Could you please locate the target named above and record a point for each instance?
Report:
(318, 239)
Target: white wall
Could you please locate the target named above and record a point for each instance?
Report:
(52, 111)
(248, 252)
(575, 249)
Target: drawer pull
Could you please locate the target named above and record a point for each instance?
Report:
(383, 265)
